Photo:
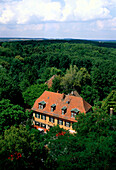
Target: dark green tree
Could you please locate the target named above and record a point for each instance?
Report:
(56, 86)
(92, 147)
(21, 149)
(33, 92)
(9, 88)
(11, 115)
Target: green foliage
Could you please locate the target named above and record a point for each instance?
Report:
(20, 140)
(83, 77)
(4, 63)
(52, 133)
(33, 92)
(30, 62)
(8, 87)
(5, 52)
(92, 147)
(110, 102)
(56, 86)
(49, 72)
(24, 84)
(11, 115)
(103, 76)
(68, 81)
(74, 78)
(19, 58)
(97, 122)
(87, 94)
(86, 66)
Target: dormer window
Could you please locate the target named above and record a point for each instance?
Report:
(74, 112)
(53, 106)
(64, 110)
(68, 101)
(42, 104)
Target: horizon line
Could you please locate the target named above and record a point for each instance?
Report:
(47, 38)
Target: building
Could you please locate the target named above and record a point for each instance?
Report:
(50, 81)
(58, 109)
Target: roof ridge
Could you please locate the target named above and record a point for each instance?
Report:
(85, 104)
(53, 92)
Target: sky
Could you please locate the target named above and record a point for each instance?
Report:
(78, 19)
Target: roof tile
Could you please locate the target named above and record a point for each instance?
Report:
(51, 98)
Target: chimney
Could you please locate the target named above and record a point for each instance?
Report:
(63, 96)
(111, 111)
(73, 93)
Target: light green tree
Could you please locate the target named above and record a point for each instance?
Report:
(74, 78)
(110, 102)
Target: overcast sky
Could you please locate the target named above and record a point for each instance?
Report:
(81, 19)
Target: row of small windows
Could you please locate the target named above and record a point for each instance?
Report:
(40, 124)
(64, 109)
(42, 105)
(37, 115)
(67, 124)
(52, 120)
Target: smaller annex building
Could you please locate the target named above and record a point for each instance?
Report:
(58, 109)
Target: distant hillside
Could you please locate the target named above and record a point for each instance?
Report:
(100, 43)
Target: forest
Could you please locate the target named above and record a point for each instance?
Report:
(89, 67)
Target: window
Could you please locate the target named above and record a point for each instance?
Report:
(68, 101)
(74, 112)
(53, 106)
(50, 126)
(52, 109)
(64, 110)
(60, 122)
(71, 114)
(42, 104)
(37, 123)
(67, 124)
(43, 117)
(37, 115)
(51, 119)
(43, 125)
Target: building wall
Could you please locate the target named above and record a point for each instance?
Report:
(48, 123)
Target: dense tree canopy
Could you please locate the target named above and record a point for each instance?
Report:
(110, 102)
(33, 92)
(26, 63)
(21, 149)
(11, 115)
(92, 147)
(86, 66)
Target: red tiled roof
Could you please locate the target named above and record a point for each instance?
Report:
(61, 100)
(74, 93)
(50, 81)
